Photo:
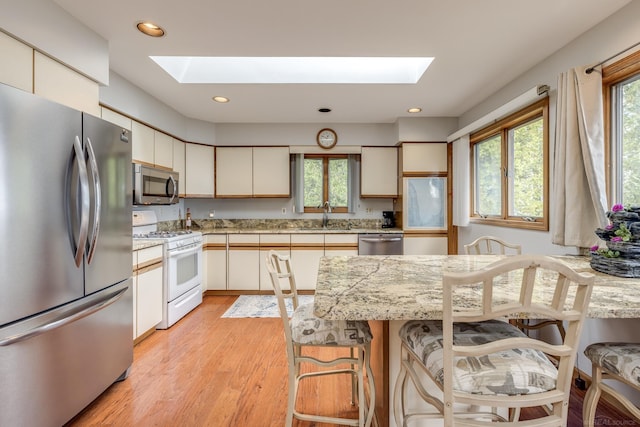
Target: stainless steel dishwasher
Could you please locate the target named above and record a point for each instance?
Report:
(380, 244)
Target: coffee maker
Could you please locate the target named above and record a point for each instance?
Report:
(388, 220)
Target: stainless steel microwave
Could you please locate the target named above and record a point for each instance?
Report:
(153, 186)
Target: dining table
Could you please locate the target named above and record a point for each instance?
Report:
(388, 290)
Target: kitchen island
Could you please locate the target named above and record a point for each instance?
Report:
(388, 290)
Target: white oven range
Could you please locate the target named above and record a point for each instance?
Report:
(182, 266)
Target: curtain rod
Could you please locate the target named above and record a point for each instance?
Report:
(590, 69)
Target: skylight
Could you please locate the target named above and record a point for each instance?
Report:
(367, 70)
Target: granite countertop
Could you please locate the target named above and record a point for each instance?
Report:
(234, 230)
(410, 287)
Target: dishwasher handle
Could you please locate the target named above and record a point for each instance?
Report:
(380, 239)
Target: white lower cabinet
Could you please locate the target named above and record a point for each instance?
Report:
(244, 262)
(419, 245)
(340, 244)
(147, 281)
(280, 243)
(214, 271)
(306, 251)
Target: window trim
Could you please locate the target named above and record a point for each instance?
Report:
(613, 74)
(537, 109)
(325, 181)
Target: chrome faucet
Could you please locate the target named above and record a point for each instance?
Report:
(326, 210)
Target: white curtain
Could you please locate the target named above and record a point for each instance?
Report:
(461, 181)
(579, 188)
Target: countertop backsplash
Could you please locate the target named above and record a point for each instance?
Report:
(204, 225)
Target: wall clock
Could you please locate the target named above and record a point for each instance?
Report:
(327, 138)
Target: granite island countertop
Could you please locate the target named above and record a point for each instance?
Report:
(410, 287)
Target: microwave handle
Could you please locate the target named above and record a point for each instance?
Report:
(174, 185)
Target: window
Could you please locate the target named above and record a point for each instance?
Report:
(509, 170)
(326, 178)
(621, 82)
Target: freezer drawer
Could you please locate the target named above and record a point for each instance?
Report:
(51, 369)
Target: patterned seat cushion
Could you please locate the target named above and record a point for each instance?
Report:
(509, 372)
(308, 329)
(622, 359)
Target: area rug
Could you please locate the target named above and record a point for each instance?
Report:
(261, 306)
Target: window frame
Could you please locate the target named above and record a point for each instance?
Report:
(613, 74)
(539, 109)
(325, 182)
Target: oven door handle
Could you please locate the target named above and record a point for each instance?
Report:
(184, 249)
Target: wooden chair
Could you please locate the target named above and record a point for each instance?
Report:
(491, 245)
(304, 331)
(478, 367)
(611, 361)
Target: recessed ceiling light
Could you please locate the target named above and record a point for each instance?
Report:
(294, 70)
(414, 110)
(324, 110)
(220, 99)
(150, 29)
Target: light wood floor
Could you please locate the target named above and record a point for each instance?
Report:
(208, 371)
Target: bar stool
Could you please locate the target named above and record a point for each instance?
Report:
(615, 361)
(304, 330)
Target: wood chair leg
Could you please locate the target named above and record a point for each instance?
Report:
(591, 398)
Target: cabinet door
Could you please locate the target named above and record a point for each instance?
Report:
(215, 262)
(234, 172)
(424, 157)
(17, 63)
(244, 262)
(149, 298)
(379, 172)
(280, 243)
(56, 82)
(199, 175)
(418, 245)
(271, 172)
(179, 164)
(340, 244)
(116, 118)
(306, 251)
(163, 150)
(142, 144)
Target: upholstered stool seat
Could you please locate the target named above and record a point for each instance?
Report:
(507, 372)
(614, 361)
(308, 329)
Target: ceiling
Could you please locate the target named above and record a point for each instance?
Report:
(479, 46)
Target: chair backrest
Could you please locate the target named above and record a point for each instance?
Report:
(523, 285)
(491, 245)
(284, 285)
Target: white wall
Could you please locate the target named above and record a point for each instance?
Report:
(617, 33)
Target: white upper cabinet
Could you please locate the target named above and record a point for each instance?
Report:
(199, 172)
(162, 150)
(179, 164)
(424, 157)
(56, 82)
(234, 176)
(17, 63)
(116, 118)
(271, 172)
(252, 172)
(143, 146)
(379, 172)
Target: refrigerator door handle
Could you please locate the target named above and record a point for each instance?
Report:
(84, 201)
(63, 320)
(97, 200)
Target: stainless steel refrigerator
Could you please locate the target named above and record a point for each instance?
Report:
(66, 311)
